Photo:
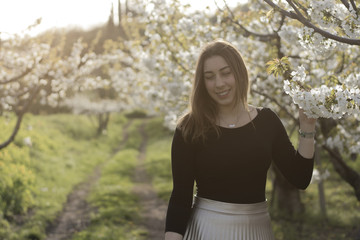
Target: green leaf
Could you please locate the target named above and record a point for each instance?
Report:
(278, 66)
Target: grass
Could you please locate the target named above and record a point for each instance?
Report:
(117, 213)
(64, 151)
(117, 208)
(158, 163)
(66, 165)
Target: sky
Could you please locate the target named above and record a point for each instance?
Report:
(17, 15)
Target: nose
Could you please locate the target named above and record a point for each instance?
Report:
(219, 81)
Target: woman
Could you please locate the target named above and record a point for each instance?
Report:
(227, 146)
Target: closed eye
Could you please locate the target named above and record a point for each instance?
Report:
(226, 73)
(209, 76)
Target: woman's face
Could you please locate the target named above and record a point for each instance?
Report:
(219, 81)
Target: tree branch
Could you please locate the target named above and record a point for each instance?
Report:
(282, 21)
(15, 131)
(298, 16)
(346, 4)
(27, 71)
(298, 13)
(304, 9)
(277, 103)
(282, 11)
(354, 6)
(261, 37)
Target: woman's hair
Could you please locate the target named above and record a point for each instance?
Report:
(203, 109)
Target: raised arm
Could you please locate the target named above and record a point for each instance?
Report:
(295, 165)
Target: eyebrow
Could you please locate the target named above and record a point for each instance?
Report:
(223, 68)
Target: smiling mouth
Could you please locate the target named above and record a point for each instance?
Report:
(223, 93)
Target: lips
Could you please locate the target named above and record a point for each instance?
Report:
(223, 93)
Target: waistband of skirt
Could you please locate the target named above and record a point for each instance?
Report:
(230, 208)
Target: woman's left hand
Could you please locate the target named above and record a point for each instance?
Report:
(306, 124)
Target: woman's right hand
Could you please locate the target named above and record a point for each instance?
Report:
(173, 236)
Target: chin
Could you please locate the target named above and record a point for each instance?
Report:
(226, 104)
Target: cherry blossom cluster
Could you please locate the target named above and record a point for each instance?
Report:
(331, 14)
(324, 101)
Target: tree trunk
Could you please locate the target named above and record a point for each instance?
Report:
(346, 173)
(287, 197)
(103, 120)
(15, 131)
(321, 191)
(20, 114)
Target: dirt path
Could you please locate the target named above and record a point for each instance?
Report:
(75, 215)
(153, 208)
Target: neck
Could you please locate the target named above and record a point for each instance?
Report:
(231, 111)
(230, 116)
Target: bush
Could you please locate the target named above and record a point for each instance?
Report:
(16, 185)
(5, 230)
(136, 114)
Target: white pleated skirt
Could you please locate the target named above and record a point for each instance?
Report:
(214, 220)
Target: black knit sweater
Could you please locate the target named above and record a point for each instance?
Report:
(233, 167)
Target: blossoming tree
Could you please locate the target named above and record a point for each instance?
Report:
(32, 71)
(309, 62)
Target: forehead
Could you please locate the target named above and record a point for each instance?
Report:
(214, 63)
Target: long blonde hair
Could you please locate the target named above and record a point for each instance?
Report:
(203, 109)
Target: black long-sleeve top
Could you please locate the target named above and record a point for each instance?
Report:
(233, 167)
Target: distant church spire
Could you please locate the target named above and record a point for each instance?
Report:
(111, 17)
(119, 11)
